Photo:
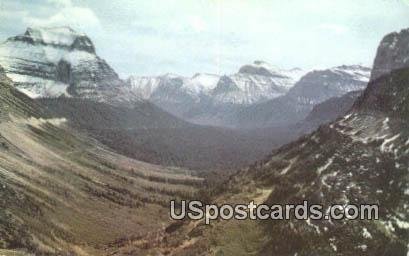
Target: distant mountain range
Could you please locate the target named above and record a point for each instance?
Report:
(253, 83)
(259, 95)
(211, 99)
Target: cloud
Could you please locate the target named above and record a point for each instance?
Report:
(183, 36)
(61, 3)
(406, 1)
(334, 28)
(197, 23)
(62, 13)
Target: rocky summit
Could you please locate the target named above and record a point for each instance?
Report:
(393, 53)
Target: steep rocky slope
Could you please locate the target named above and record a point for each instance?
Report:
(65, 194)
(329, 110)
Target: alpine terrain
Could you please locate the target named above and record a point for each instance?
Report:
(361, 158)
(59, 68)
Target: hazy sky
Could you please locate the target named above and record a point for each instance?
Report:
(217, 36)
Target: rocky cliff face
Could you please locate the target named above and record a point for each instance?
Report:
(332, 108)
(51, 62)
(393, 53)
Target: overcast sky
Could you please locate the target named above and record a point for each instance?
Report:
(217, 36)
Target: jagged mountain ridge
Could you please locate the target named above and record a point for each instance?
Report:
(211, 99)
(253, 83)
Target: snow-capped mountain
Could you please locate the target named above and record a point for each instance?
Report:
(149, 87)
(253, 83)
(312, 89)
(50, 62)
(212, 99)
(319, 85)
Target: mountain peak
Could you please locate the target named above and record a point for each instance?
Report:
(393, 53)
(59, 37)
(58, 29)
(225, 85)
(55, 61)
(260, 68)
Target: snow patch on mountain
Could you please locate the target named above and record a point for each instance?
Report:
(36, 87)
(202, 82)
(55, 35)
(356, 72)
(262, 68)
